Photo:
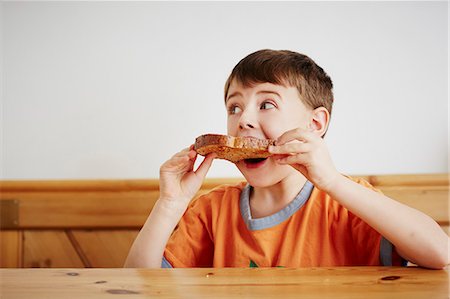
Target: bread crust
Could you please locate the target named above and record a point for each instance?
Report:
(232, 148)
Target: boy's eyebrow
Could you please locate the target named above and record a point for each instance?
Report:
(270, 91)
(237, 93)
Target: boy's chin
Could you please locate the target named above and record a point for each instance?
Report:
(259, 181)
(264, 177)
(259, 184)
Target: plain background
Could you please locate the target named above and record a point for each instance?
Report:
(113, 89)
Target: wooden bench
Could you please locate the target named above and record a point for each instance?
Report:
(92, 223)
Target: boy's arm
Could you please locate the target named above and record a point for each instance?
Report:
(178, 185)
(416, 236)
(148, 247)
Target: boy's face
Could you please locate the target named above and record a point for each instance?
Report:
(265, 111)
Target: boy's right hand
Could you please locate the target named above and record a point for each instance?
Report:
(178, 182)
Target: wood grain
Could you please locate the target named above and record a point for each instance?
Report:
(46, 249)
(10, 248)
(105, 248)
(83, 209)
(92, 223)
(341, 282)
(432, 200)
(127, 203)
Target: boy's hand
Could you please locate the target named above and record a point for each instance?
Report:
(308, 154)
(178, 182)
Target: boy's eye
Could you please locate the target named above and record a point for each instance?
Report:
(267, 105)
(234, 109)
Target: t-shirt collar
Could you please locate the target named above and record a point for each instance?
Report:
(278, 217)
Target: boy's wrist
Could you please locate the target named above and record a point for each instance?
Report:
(333, 183)
(172, 207)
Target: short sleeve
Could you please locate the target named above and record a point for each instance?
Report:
(190, 244)
(370, 247)
(366, 242)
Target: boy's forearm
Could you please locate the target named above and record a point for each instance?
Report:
(148, 248)
(415, 235)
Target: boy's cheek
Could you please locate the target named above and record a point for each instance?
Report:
(231, 132)
(277, 157)
(231, 128)
(272, 131)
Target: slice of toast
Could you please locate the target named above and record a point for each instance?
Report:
(232, 148)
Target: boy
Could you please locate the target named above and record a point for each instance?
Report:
(295, 210)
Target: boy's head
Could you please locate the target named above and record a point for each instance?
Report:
(270, 93)
(286, 68)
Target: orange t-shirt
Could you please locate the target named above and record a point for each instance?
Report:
(217, 230)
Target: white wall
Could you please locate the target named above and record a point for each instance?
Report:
(113, 89)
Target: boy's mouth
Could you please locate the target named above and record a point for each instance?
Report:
(254, 162)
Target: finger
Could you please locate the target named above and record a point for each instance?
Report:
(176, 162)
(298, 162)
(203, 168)
(290, 148)
(192, 158)
(180, 153)
(192, 155)
(185, 152)
(295, 134)
(277, 157)
(189, 155)
(293, 159)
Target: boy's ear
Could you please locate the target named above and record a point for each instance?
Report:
(320, 120)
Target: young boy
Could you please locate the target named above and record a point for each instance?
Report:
(296, 209)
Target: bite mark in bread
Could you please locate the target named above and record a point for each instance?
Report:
(232, 148)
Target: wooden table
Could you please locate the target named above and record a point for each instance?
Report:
(342, 282)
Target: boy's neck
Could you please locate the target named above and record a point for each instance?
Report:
(266, 201)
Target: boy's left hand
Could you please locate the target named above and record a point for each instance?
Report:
(308, 154)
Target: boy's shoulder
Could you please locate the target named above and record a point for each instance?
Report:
(362, 181)
(224, 188)
(219, 193)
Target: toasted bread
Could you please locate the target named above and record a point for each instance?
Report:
(232, 148)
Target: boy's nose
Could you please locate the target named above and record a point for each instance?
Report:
(246, 121)
(246, 126)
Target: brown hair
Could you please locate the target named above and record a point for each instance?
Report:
(285, 67)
